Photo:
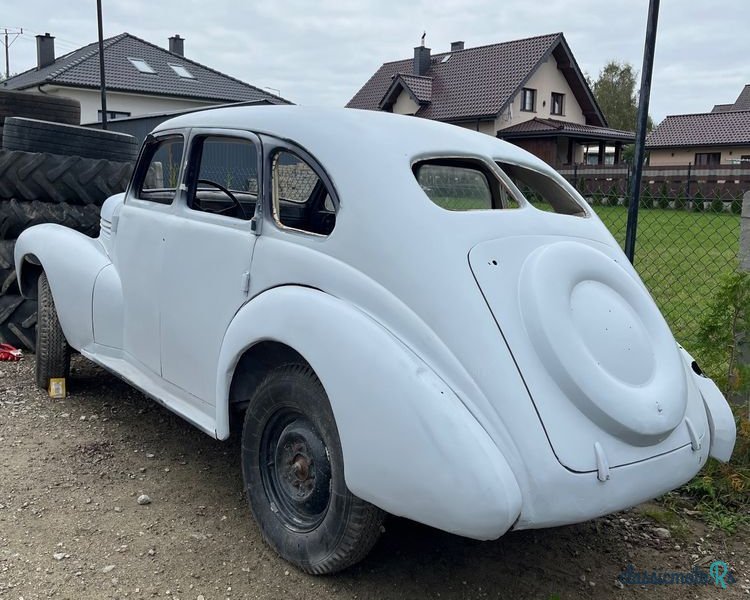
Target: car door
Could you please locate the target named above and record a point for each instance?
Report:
(142, 235)
(206, 262)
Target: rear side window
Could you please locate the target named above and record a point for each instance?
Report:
(541, 191)
(458, 185)
(160, 170)
(301, 200)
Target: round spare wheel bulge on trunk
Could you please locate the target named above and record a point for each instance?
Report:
(31, 135)
(604, 341)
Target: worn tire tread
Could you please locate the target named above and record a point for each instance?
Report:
(52, 350)
(56, 178)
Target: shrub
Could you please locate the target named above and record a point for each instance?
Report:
(646, 200)
(736, 206)
(663, 200)
(698, 202)
(717, 204)
(722, 491)
(613, 197)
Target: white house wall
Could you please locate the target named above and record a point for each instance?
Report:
(135, 104)
(685, 156)
(405, 104)
(547, 79)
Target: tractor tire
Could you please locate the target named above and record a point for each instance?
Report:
(52, 350)
(56, 178)
(39, 106)
(8, 280)
(30, 135)
(18, 321)
(16, 216)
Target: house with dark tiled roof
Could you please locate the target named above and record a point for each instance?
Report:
(530, 92)
(141, 78)
(719, 137)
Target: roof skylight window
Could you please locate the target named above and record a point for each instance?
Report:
(181, 71)
(445, 58)
(141, 65)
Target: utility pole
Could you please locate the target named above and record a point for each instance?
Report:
(15, 32)
(101, 64)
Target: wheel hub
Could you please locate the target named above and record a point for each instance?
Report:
(296, 471)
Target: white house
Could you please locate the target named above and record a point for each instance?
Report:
(141, 78)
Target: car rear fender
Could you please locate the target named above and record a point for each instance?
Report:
(72, 262)
(409, 444)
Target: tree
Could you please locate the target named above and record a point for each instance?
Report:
(616, 91)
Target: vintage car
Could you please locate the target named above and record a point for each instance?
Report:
(399, 316)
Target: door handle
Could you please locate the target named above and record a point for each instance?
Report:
(245, 286)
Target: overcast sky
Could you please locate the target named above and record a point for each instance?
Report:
(322, 52)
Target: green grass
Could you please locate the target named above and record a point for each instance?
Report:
(680, 256)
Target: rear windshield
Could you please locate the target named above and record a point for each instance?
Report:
(541, 191)
(459, 184)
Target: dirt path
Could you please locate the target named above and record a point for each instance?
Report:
(71, 527)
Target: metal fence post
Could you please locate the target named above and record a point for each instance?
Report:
(575, 177)
(687, 185)
(742, 345)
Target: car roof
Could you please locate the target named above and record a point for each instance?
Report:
(351, 136)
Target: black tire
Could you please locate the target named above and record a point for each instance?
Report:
(31, 135)
(16, 216)
(293, 471)
(18, 321)
(52, 350)
(39, 106)
(56, 178)
(8, 280)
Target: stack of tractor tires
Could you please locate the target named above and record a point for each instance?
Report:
(51, 171)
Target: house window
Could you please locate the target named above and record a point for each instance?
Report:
(141, 65)
(745, 158)
(181, 71)
(113, 114)
(528, 100)
(707, 159)
(556, 105)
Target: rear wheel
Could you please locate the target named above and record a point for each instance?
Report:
(293, 470)
(52, 350)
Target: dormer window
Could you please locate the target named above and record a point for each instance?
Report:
(556, 104)
(528, 100)
(181, 71)
(141, 65)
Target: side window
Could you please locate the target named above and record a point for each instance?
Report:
(458, 184)
(541, 191)
(224, 176)
(159, 180)
(300, 198)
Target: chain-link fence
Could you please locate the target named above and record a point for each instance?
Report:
(688, 231)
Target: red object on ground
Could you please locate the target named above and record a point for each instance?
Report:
(8, 352)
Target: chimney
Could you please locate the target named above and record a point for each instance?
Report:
(177, 44)
(45, 50)
(421, 60)
(456, 46)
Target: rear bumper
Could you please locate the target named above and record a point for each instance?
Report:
(562, 497)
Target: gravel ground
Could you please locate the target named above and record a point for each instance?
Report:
(71, 524)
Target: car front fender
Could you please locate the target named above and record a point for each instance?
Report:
(72, 262)
(409, 444)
